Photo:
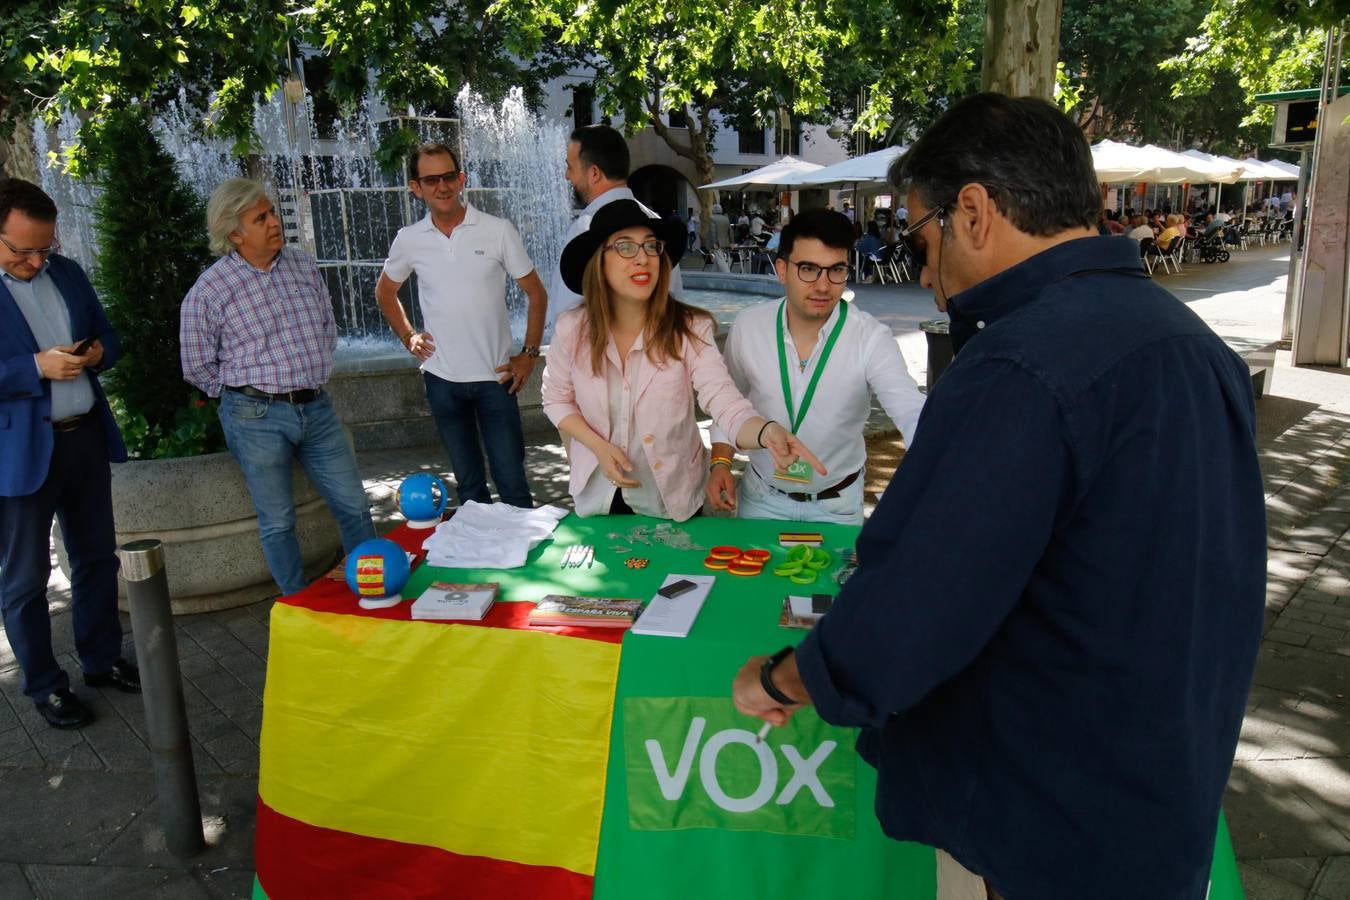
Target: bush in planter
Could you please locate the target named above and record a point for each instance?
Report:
(151, 230)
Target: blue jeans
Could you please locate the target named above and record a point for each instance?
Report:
(78, 492)
(265, 436)
(463, 409)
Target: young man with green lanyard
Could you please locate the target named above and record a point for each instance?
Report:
(813, 363)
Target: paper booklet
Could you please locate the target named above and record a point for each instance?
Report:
(444, 600)
(804, 612)
(591, 612)
(674, 616)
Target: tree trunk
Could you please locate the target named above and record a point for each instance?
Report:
(695, 150)
(18, 156)
(1021, 47)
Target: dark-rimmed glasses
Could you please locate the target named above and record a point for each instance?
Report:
(920, 254)
(39, 254)
(809, 272)
(629, 249)
(431, 182)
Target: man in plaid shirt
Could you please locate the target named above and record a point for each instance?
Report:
(257, 331)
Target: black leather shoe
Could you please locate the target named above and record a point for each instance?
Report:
(123, 676)
(62, 709)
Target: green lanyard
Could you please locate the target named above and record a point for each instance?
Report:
(796, 420)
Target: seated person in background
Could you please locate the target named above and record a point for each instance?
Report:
(870, 243)
(764, 258)
(1212, 225)
(1113, 222)
(832, 357)
(623, 370)
(1139, 229)
(1170, 233)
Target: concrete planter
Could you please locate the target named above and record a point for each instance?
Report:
(200, 508)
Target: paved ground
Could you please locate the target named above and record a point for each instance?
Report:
(77, 810)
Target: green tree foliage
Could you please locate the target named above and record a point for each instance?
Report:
(756, 63)
(104, 54)
(23, 81)
(1261, 45)
(151, 249)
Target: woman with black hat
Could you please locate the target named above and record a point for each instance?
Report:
(624, 367)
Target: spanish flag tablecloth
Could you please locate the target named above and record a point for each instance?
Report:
(411, 759)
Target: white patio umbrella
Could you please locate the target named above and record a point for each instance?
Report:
(870, 168)
(1172, 167)
(782, 173)
(1117, 162)
(1275, 169)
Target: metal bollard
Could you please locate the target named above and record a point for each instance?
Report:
(162, 692)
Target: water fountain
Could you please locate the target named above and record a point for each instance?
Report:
(338, 205)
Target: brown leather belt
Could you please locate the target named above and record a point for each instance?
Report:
(828, 494)
(307, 395)
(73, 422)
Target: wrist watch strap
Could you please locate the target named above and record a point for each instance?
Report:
(766, 678)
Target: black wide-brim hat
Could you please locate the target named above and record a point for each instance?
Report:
(612, 217)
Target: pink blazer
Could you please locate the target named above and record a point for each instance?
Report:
(663, 411)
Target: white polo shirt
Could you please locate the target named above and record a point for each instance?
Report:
(461, 281)
(865, 360)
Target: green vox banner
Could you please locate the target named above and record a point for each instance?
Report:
(694, 762)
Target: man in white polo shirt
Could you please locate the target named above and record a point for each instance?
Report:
(812, 363)
(597, 169)
(462, 257)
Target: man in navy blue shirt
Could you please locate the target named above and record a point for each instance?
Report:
(1050, 637)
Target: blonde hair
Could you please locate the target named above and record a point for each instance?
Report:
(228, 203)
(1173, 218)
(669, 323)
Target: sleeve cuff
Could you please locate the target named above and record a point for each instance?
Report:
(831, 704)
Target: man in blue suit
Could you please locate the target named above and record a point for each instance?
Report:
(57, 438)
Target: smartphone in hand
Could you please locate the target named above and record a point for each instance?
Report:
(83, 346)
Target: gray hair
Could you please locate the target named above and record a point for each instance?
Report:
(228, 203)
(717, 208)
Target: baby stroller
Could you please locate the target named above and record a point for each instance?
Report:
(1209, 247)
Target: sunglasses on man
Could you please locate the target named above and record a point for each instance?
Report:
(920, 253)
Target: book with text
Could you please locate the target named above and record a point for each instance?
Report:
(445, 600)
(592, 612)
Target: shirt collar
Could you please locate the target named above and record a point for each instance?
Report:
(471, 217)
(42, 270)
(239, 261)
(1015, 287)
(609, 196)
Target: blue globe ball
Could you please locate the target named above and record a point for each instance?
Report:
(422, 498)
(377, 570)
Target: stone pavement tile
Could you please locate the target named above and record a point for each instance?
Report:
(13, 884)
(1279, 725)
(117, 744)
(226, 692)
(1334, 881)
(230, 884)
(123, 882)
(202, 763)
(1301, 871)
(1286, 571)
(1308, 673)
(1260, 885)
(229, 810)
(1289, 808)
(15, 741)
(249, 668)
(67, 818)
(236, 753)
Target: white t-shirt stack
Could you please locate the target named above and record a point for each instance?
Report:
(490, 535)
(461, 280)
